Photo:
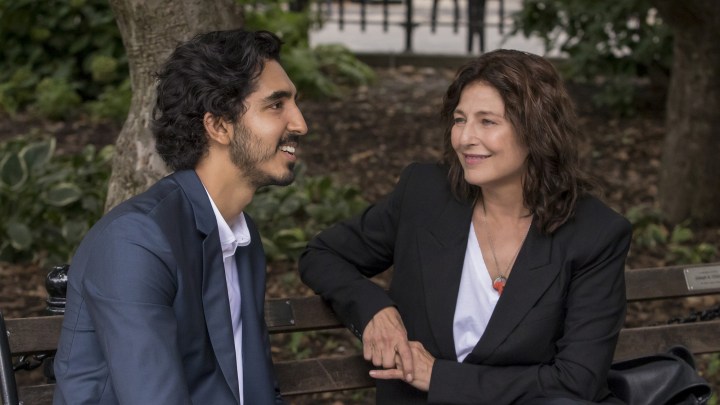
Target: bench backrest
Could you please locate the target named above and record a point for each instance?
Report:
(39, 335)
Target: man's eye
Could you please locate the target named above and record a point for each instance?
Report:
(277, 106)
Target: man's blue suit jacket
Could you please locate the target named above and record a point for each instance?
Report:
(147, 318)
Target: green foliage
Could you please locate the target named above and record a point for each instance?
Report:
(47, 202)
(18, 89)
(678, 242)
(65, 50)
(289, 216)
(56, 98)
(323, 71)
(613, 43)
(59, 54)
(326, 70)
(711, 373)
(272, 15)
(113, 103)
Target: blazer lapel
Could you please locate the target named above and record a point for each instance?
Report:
(442, 247)
(216, 306)
(258, 376)
(531, 275)
(217, 311)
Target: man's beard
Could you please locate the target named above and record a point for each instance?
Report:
(248, 153)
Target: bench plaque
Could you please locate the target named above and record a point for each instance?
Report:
(702, 278)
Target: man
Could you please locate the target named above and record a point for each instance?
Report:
(165, 293)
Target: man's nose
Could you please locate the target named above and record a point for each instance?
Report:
(297, 124)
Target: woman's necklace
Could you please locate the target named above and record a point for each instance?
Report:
(501, 279)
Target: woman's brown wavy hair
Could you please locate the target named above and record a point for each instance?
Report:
(543, 117)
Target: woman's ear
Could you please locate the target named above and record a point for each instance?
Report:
(218, 129)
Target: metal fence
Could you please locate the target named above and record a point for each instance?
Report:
(473, 15)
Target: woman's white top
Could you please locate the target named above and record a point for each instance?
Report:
(475, 302)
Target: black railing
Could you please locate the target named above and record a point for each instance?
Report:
(475, 17)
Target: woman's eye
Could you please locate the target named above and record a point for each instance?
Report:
(487, 122)
(458, 120)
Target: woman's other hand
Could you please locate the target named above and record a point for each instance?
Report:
(423, 363)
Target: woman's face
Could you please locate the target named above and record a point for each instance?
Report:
(485, 142)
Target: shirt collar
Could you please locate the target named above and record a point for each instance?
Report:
(232, 235)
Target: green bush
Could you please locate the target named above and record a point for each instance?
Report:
(57, 54)
(113, 103)
(56, 99)
(73, 46)
(677, 242)
(48, 202)
(326, 70)
(320, 72)
(288, 217)
(611, 43)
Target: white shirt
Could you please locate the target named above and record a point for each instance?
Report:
(475, 302)
(231, 236)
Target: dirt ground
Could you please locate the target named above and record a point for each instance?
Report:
(366, 139)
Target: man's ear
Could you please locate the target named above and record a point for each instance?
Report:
(218, 129)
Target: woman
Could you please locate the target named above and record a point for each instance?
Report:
(508, 281)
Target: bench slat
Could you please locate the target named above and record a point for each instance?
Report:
(294, 377)
(698, 337)
(663, 282)
(34, 335)
(37, 394)
(323, 375)
(299, 314)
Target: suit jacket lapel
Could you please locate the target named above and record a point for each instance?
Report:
(216, 306)
(442, 247)
(531, 275)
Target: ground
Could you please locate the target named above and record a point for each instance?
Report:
(366, 138)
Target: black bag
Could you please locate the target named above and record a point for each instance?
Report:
(660, 379)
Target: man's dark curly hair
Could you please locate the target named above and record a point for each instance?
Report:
(213, 72)
(543, 117)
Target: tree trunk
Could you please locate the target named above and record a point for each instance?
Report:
(151, 29)
(690, 169)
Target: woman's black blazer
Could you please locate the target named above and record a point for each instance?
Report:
(553, 331)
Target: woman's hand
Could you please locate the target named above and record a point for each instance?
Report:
(423, 363)
(385, 343)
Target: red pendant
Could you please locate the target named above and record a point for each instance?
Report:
(499, 284)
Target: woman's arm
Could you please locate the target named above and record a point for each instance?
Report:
(337, 265)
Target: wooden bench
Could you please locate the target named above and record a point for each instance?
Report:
(31, 336)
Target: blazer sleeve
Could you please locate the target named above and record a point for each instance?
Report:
(595, 312)
(338, 262)
(129, 290)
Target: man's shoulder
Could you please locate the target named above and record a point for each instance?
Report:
(165, 202)
(168, 191)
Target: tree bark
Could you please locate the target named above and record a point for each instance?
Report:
(151, 29)
(690, 170)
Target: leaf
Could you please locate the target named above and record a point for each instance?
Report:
(681, 234)
(291, 234)
(13, 171)
(63, 194)
(36, 155)
(74, 230)
(19, 234)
